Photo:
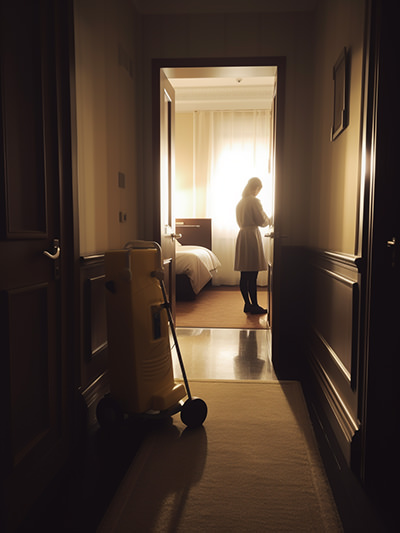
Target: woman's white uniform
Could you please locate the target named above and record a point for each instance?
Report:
(249, 253)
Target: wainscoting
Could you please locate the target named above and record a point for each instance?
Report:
(332, 340)
(93, 360)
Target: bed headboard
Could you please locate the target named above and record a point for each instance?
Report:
(195, 231)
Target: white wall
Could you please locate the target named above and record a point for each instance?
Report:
(334, 192)
(107, 135)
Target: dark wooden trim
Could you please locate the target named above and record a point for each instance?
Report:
(156, 147)
(338, 257)
(96, 390)
(194, 231)
(66, 10)
(92, 259)
(255, 61)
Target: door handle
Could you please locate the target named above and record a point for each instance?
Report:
(56, 250)
(394, 245)
(176, 235)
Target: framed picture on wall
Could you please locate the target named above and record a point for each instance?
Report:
(340, 95)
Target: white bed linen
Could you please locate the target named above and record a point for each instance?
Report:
(197, 263)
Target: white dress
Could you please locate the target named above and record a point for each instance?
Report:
(249, 253)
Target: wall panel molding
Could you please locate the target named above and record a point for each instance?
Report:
(335, 317)
(332, 343)
(94, 346)
(337, 257)
(327, 348)
(343, 424)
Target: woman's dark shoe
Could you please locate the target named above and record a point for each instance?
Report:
(247, 308)
(258, 310)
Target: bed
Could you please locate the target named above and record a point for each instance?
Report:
(195, 261)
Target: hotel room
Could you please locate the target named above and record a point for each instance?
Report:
(80, 154)
(223, 137)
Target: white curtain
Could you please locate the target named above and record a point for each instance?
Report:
(229, 148)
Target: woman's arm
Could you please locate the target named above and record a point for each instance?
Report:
(261, 218)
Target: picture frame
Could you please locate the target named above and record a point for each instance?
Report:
(340, 95)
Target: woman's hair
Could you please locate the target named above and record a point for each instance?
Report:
(252, 185)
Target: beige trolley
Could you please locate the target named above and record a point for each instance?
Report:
(140, 361)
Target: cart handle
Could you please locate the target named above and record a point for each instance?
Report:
(132, 245)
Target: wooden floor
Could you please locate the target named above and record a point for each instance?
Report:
(225, 353)
(222, 307)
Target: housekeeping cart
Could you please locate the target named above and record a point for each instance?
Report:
(140, 361)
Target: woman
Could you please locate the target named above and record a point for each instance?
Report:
(249, 254)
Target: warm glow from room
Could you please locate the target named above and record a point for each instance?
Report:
(228, 182)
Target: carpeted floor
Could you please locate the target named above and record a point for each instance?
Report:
(218, 307)
(254, 466)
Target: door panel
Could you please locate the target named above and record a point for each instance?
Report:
(278, 358)
(32, 371)
(167, 164)
(380, 426)
(31, 367)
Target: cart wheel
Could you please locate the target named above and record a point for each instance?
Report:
(108, 413)
(194, 412)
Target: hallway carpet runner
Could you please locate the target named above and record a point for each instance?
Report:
(218, 307)
(254, 466)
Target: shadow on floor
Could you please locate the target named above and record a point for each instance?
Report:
(79, 497)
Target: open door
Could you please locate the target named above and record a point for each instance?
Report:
(381, 464)
(167, 161)
(276, 237)
(33, 271)
(270, 235)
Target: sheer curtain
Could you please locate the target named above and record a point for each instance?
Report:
(229, 148)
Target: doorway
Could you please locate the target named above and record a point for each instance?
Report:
(189, 77)
(223, 136)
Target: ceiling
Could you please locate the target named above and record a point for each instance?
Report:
(229, 88)
(222, 6)
(222, 88)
